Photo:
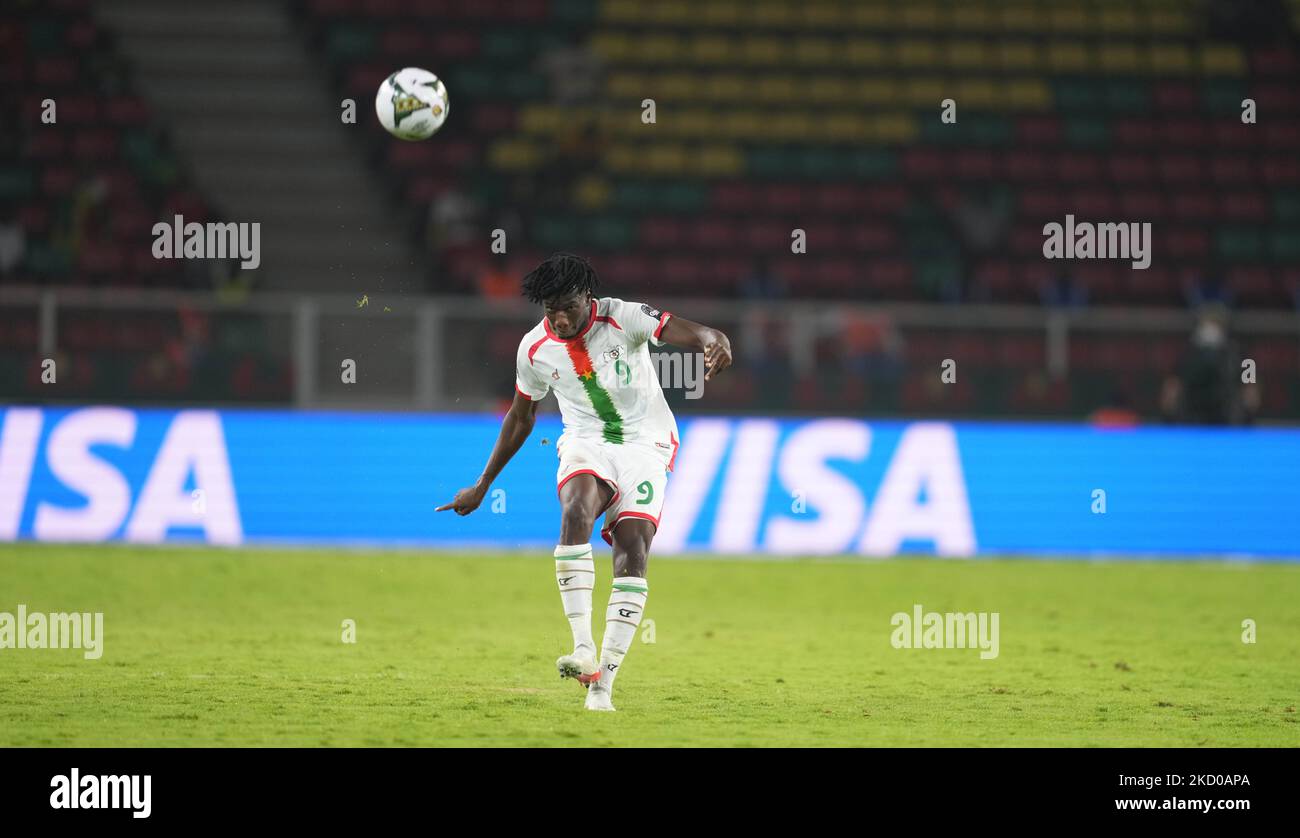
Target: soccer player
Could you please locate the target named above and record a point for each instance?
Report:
(619, 443)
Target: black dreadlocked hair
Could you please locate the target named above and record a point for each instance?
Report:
(559, 275)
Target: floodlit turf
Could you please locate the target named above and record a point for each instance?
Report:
(218, 647)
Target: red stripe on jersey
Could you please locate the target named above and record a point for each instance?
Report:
(607, 532)
(532, 350)
(663, 321)
(610, 483)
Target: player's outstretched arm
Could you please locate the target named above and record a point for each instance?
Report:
(515, 428)
(687, 333)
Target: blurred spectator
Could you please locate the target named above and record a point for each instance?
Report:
(1205, 390)
(1063, 291)
(981, 217)
(1116, 413)
(495, 281)
(574, 70)
(1207, 289)
(763, 283)
(453, 220)
(13, 242)
(871, 345)
(452, 235)
(768, 358)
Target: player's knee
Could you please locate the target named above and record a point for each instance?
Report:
(630, 559)
(576, 519)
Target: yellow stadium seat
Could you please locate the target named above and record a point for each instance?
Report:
(533, 119)
(1019, 56)
(864, 52)
(728, 87)
(722, 13)
(1121, 58)
(778, 90)
(828, 90)
(1070, 19)
(916, 53)
(625, 85)
(762, 51)
(620, 11)
(514, 155)
(695, 122)
(674, 12)
(845, 128)
(877, 91)
(1020, 18)
(773, 15)
(968, 55)
(1028, 94)
(922, 16)
(719, 161)
(822, 15)
(926, 92)
(611, 46)
(895, 128)
(1223, 61)
(591, 192)
(871, 16)
(622, 158)
(1167, 21)
(1171, 59)
(1119, 20)
(970, 17)
(661, 49)
(1069, 57)
(711, 49)
(814, 52)
(665, 158)
(786, 126)
(743, 125)
(680, 87)
(975, 93)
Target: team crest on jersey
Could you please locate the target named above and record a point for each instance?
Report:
(651, 312)
(555, 375)
(612, 354)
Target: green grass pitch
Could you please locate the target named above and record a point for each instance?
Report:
(244, 647)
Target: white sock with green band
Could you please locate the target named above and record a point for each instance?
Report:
(575, 573)
(626, 604)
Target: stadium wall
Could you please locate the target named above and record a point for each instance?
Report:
(822, 486)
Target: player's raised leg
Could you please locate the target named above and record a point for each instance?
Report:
(582, 498)
(631, 538)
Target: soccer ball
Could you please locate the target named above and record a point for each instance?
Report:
(412, 104)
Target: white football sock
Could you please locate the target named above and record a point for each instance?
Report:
(575, 573)
(626, 604)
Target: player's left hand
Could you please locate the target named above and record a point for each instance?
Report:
(717, 355)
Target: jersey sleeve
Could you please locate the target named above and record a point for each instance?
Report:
(529, 381)
(642, 321)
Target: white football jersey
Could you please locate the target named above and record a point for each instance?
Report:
(603, 377)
